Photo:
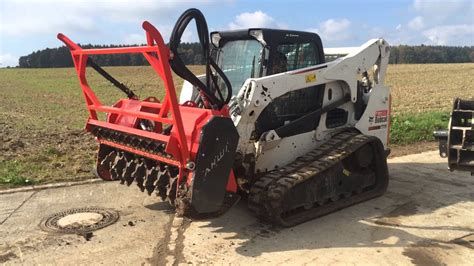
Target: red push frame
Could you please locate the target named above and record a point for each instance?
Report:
(157, 54)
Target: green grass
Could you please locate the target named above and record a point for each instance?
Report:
(11, 174)
(408, 128)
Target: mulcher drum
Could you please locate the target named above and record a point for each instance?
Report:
(148, 174)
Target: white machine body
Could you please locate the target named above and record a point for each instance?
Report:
(342, 78)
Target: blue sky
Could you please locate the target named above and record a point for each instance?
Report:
(26, 26)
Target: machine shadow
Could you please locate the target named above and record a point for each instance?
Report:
(380, 222)
(161, 206)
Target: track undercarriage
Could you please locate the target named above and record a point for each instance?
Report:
(347, 169)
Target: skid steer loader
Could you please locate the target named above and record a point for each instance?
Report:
(270, 119)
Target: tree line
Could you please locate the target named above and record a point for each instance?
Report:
(404, 54)
(191, 54)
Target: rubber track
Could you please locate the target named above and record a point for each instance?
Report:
(267, 194)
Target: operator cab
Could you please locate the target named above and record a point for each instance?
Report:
(256, 53)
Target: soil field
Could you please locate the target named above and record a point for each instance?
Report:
(429, 87)
(42, 112)
(42, 115)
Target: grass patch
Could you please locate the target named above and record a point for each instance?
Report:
(11, 174)
(409, 128)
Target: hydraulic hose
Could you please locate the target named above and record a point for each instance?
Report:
(207, 90)
(107, 76)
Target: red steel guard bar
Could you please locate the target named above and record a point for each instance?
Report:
(157, 54)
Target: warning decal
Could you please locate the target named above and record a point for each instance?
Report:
(381, 116)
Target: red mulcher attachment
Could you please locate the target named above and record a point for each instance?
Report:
(182, 152)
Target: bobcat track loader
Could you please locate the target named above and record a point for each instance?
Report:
(271, 119)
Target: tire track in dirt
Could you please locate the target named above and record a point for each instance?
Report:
(160, 251)
(170, 250)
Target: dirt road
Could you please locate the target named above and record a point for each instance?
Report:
(426, 217)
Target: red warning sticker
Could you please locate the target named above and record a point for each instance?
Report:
(381, 116)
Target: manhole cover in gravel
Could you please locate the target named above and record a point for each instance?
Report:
(79, 220)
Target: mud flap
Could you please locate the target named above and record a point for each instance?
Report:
(214, 160)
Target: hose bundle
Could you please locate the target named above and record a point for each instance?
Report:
(209, 92)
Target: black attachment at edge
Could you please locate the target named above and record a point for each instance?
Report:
(442, 137)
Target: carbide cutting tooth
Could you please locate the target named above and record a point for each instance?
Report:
(173, 171)
(139, 174)
(135, 142)
(140, 144)
(94, 131)
(100, 132)
(127, 139)
(117, 167)
(108, 159)
(161, 182)
(128, 175)
(115, 136)
(151, 178)
(120, 138)
(146, 144)
(160, 148)
(171, 187)
(151, 146)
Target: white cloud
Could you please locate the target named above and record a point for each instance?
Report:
(189, 35)
(257, 19)
(8, 60)
(439, 22)
(440, 7)
(334, 30)
(417, 23)
(451, 34)
(26, 18)
(48, 25)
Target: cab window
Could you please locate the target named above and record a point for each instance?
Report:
(296, 55)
